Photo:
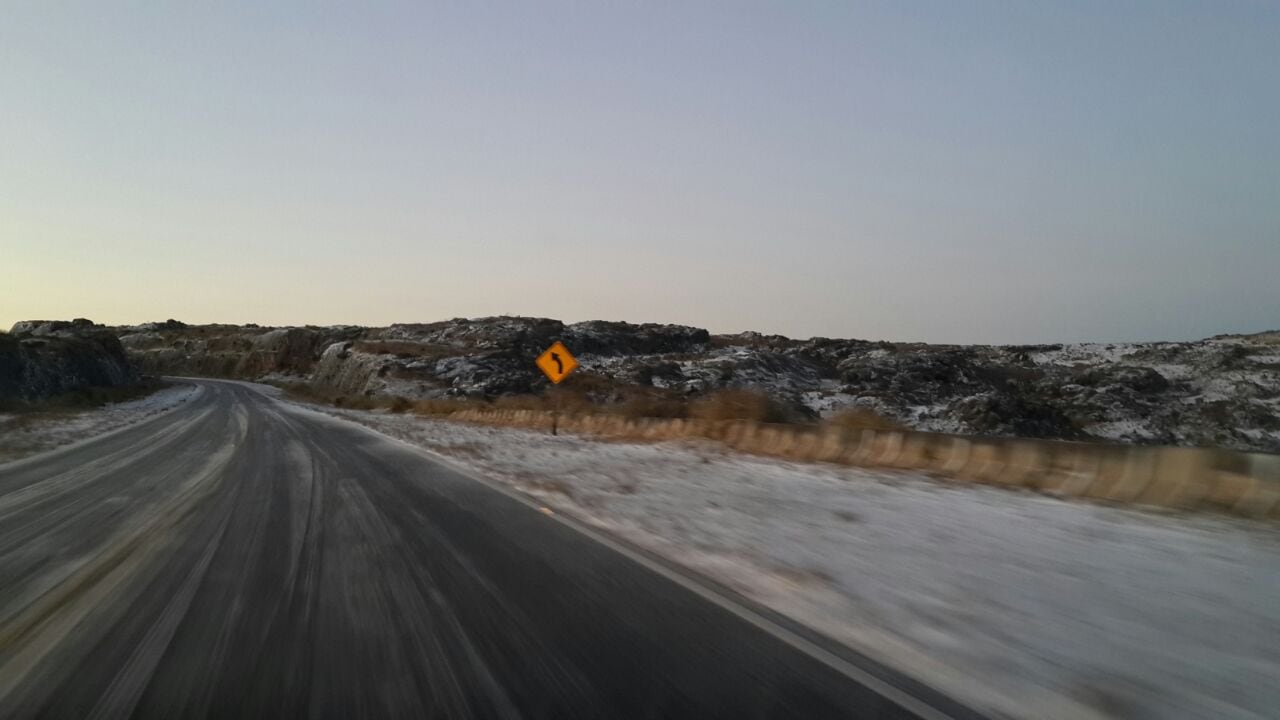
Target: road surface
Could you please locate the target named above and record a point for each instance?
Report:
(244, 557)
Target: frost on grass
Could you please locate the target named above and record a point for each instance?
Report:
(1025, 605)
(23, 434)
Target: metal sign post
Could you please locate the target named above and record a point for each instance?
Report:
(555, 411)
(557, 363)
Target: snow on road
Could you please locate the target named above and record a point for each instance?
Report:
(27, 434)
(1025, 605)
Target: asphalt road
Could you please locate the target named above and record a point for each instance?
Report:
(243, 557)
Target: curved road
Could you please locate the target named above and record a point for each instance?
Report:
(243, 557)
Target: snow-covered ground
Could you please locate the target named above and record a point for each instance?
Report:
(27, 434)
(1025, 605)
(1084, 353)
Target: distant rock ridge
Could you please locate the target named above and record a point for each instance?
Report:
(1222, 391)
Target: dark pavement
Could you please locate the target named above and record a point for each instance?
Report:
(242, 557)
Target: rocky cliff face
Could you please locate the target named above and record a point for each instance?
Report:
(41, 359)
(174, 348)
(1223, 391)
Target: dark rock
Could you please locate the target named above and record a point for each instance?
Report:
(41, 359)
(1223, 391)
(599, 337)
(998, 414)
(665, 372)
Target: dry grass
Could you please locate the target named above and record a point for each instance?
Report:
(577, 399)
(362, 402)
(86, 398)
(306, 393)
(736, 405)
(650, 406)
(431, 407)
(580, 399)
(584, 399)
(860, 418)
(522, 402)
(426, 407)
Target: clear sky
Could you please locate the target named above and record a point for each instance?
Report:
(949, 172)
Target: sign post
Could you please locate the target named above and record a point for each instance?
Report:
(557, 363)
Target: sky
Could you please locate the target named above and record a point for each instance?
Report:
(944, 172)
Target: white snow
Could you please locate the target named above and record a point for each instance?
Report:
(1086, 353)
(604, 364)
(1026, 605)
(1218, 389)
(1259, 434)
(1130, 430)
(27, 434)
(826, 401)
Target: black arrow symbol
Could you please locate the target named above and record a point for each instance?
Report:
(555, 357)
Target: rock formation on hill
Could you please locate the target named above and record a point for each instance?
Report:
(1222, 391)
(42, 359)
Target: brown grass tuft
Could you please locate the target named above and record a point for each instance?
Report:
(737, 405)
(443, 406)
(649, 406)
(522, 402)
(861, 418)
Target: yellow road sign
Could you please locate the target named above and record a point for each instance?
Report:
(557, 362)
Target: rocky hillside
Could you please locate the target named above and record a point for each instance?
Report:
(42, 359)
(1223, 391)
(233, 351)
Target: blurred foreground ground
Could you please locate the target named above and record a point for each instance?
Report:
(1028, 605)
(241, 557)
(1039, 607)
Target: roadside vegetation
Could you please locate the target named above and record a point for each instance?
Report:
(864, 419)
(729, 404)
(86, 398)
(28, 428)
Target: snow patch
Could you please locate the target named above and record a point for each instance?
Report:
(1083, 353)
(1122, 430)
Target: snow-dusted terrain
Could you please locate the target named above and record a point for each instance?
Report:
(1026, 605)
(1222, 391)
(27, 434)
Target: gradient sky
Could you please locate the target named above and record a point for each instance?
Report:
(948, 172)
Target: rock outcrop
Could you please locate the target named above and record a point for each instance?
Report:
(1222, 391)
(42, 359)
(172, 348)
